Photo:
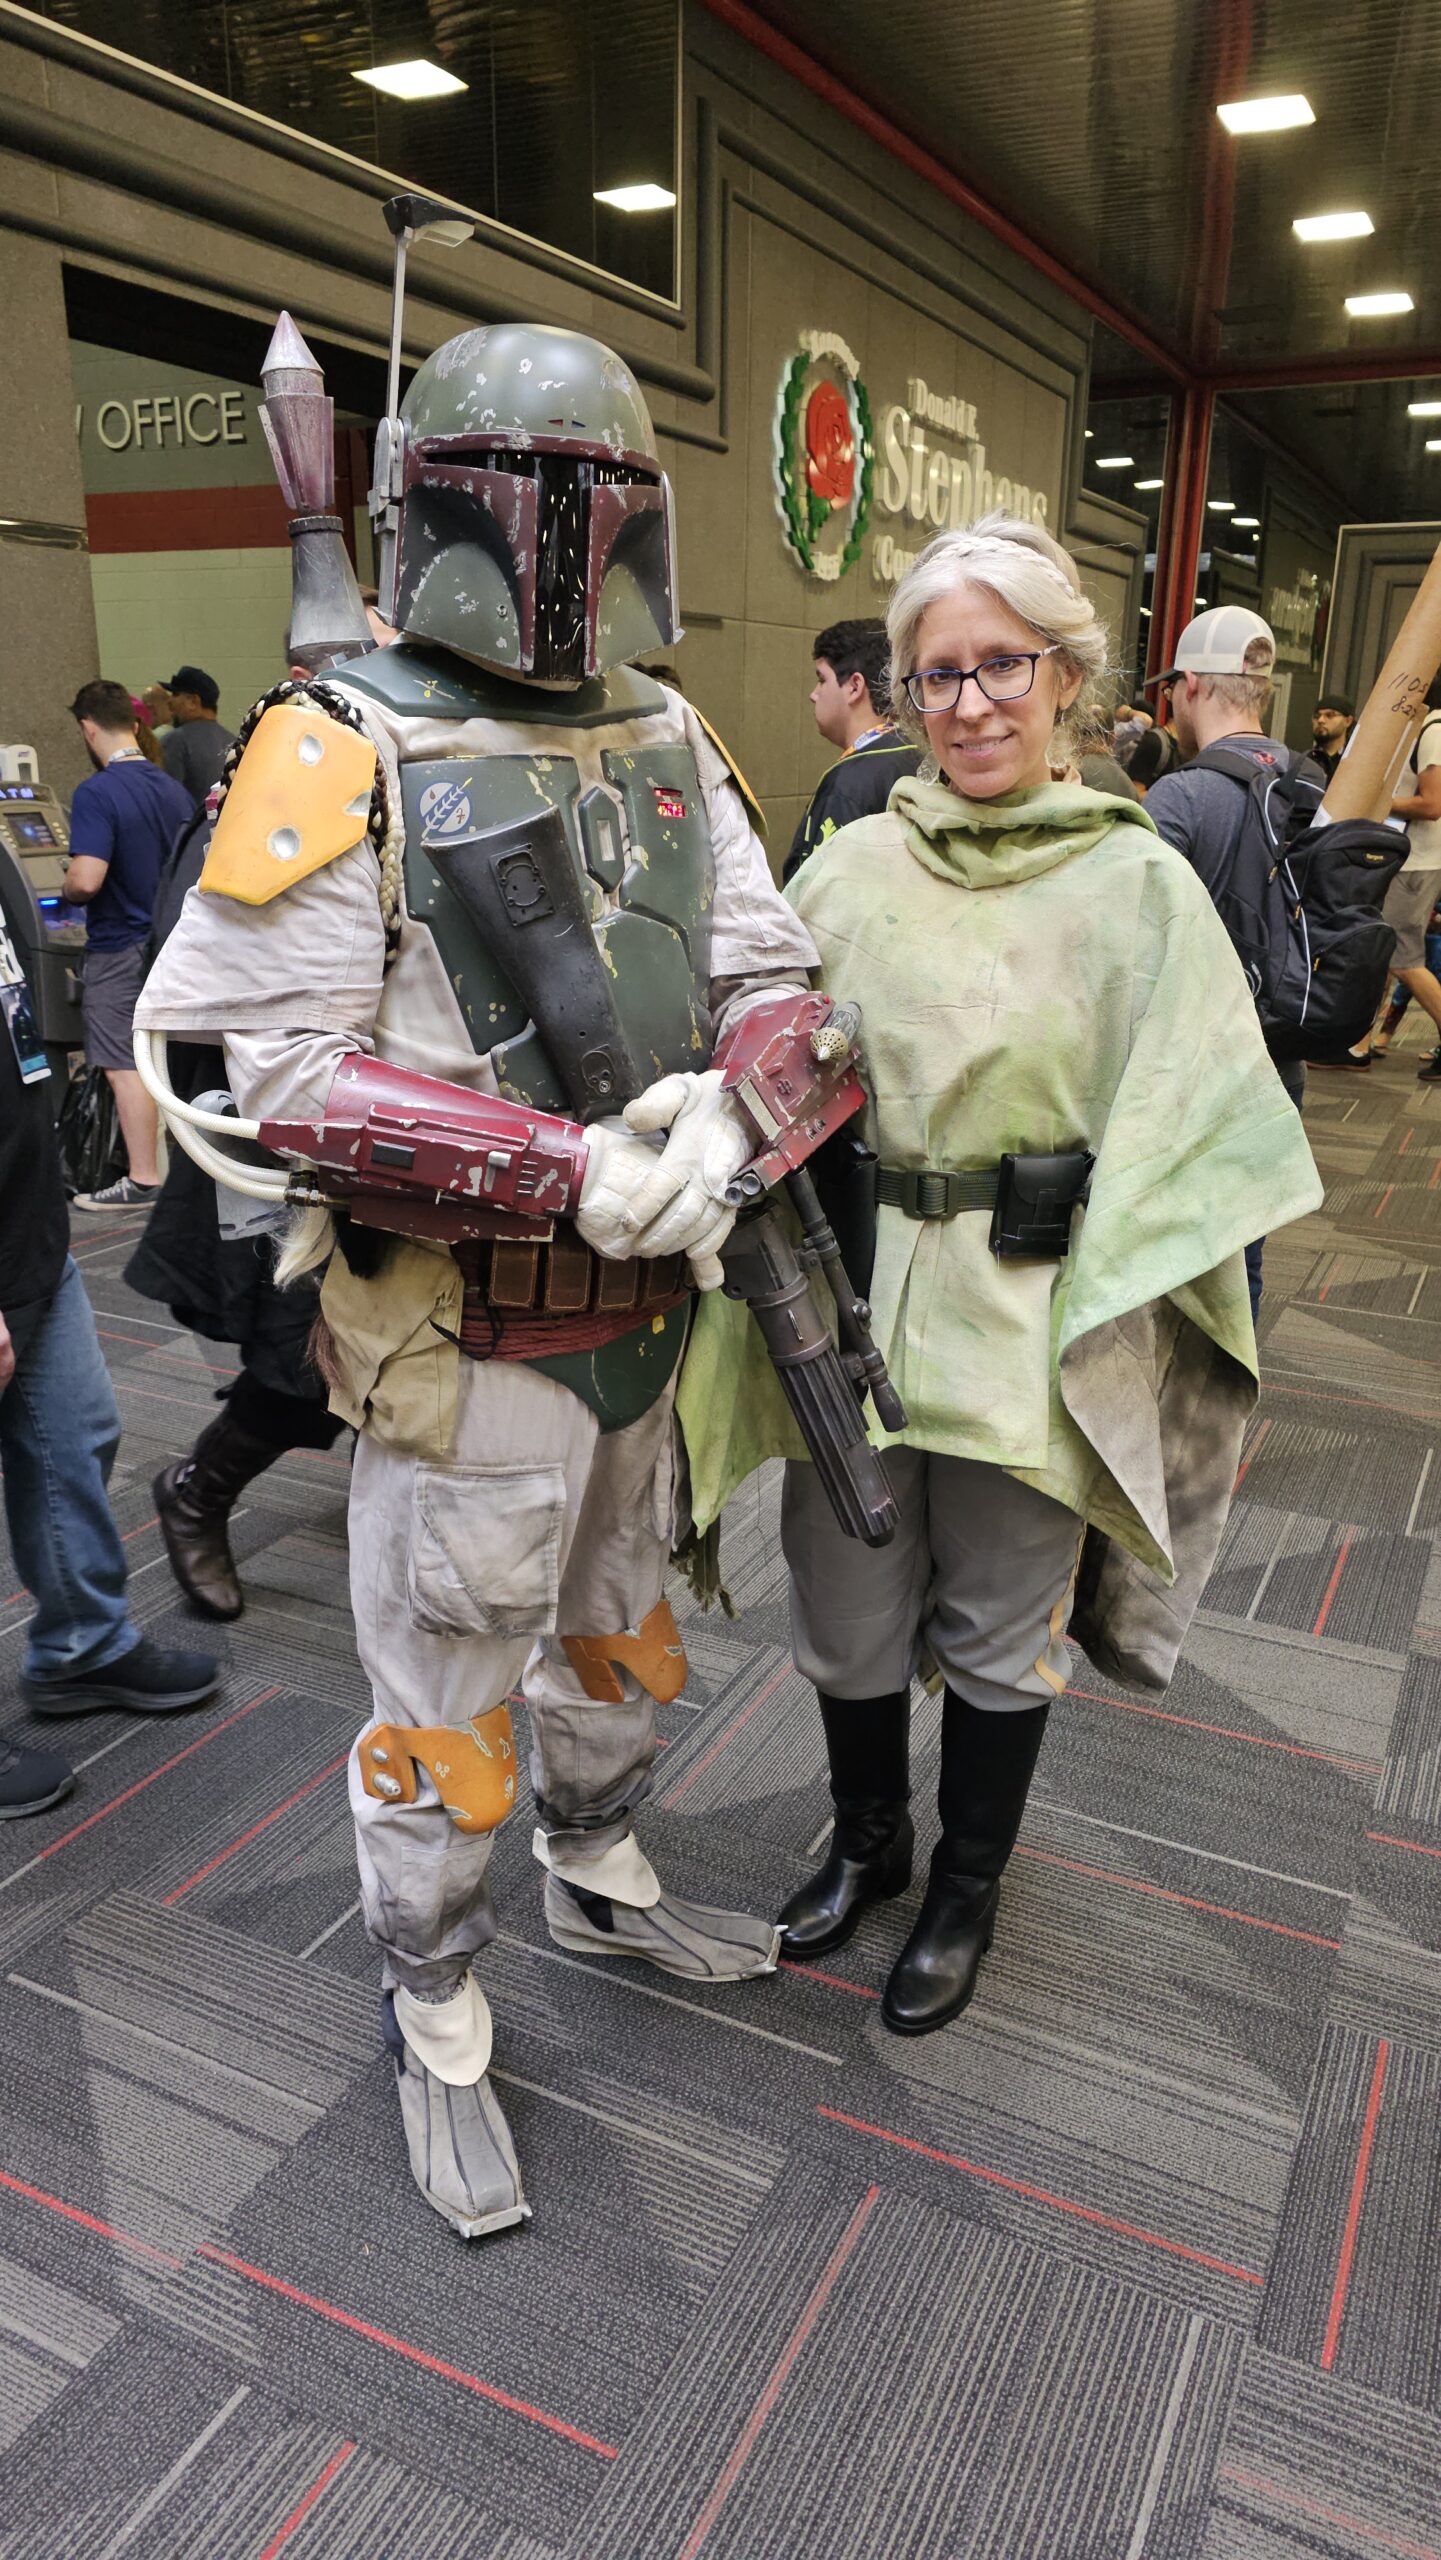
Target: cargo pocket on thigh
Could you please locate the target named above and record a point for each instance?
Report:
(484, 1553)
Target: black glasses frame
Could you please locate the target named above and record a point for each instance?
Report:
(964, 675)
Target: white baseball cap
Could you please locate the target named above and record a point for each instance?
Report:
(1215, 644)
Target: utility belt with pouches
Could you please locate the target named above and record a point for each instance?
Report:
(1031, 1198)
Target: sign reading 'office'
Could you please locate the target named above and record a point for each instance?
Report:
(839, 464)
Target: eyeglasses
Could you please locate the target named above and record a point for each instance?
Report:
(1001, 679)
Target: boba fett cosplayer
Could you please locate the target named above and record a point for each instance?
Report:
(514, 1011)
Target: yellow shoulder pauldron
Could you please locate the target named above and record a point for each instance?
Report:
(757, 813)
(299, 796)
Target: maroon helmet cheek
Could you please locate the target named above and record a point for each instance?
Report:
(629, 584)
(466, 561)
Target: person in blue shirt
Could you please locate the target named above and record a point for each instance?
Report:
(123, 822)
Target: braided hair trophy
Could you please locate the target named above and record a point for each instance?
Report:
(515, 1014)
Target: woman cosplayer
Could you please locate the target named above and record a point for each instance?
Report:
(1078, 1128)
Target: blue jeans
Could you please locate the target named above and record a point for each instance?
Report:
(59, 1431)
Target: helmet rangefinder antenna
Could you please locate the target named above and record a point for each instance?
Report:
(407, 218)
(327, 618)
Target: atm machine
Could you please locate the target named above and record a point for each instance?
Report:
(48, 934)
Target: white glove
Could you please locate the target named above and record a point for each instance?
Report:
(683, 1208)
(618, 1171)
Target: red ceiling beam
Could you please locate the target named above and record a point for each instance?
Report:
(1178, 537)
(754, 30)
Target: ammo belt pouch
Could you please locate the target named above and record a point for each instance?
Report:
(539, 1301)
(1031, 1198)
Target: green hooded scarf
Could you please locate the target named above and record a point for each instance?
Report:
(1035, 973)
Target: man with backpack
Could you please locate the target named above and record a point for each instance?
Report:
(1219, 688)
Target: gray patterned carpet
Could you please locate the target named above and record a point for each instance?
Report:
(1137, 2262)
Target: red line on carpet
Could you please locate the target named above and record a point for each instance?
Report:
(140, 1785)
(1228, 1732)
(1380, 2534)
(1406, 1141)
(1323, 1293)
(22, 1593)
(315, 2491)
(1261, 1430)
(87, 2221)
(1323, 1613)
(1385, 1196)
(1344, 2263)
(1164, 1893)
(1042, 2195)
(402, 2347)
(1388, 1840)
(1435, 1175)
(717, 1747)
(255, 1830)
(1365, 1404)
(832, 1981)
(779, 2375)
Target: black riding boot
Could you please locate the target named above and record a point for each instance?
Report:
(986, 1765)
(194, 1499)
(869, 1859)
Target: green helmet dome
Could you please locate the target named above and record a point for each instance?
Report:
(535, 530)
(532, 386)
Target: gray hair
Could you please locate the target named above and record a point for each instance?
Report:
(1023, 568)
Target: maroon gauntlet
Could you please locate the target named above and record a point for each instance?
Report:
(791, 1063)
(420, 1156)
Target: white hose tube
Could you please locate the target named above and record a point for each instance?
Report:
(186, 1123)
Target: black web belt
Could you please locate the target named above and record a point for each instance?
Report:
(932, 1194)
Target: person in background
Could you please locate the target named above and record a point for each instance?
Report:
(155, 702)
(59, 1430)
(198, 742)
(1218, 691)
(145, 737)
(123, 821)
(850, 699)
(1094, 760)
(1332, 722)
(222, 1287)
(1413, 894)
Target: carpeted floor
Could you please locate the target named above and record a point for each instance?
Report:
(1136, 2262)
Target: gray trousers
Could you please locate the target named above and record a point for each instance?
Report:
(978, 1578)
(464, 1572)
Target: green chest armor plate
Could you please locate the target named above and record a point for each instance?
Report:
(639, 843)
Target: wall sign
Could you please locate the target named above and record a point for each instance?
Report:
(926, 465)
(824, 451)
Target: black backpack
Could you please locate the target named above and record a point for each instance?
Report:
(1302, 904)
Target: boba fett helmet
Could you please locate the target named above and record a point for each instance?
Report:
(535, 528)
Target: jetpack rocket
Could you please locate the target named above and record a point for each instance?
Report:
(327, 618)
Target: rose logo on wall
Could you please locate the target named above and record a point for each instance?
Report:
(825, 456)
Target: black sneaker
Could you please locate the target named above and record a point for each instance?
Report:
(146, 1680)
(124, 1193)
(31, 1781)
(1431, 1072)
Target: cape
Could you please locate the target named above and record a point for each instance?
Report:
(1036, 973)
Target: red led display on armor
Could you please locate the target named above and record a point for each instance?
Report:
(668, 803)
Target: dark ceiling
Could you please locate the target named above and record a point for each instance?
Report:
(1091, 124)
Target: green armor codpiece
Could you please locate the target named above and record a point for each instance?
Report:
(640, 845)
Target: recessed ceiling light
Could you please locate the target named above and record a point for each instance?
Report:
(1222, 506)
(1433, 444)
(1333, 226)
(1377, 306)
(1150, 484)
(1114, 461)
(412, 80)
(1423, 408)
(1245, 524)
(644, 198)
(1266, 115)
(1145, 613)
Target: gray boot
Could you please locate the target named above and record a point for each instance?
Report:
(461, 2154)
(685, 1938)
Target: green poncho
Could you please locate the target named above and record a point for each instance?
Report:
(1034, 973)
